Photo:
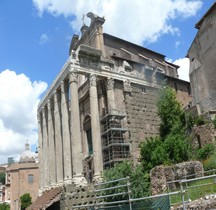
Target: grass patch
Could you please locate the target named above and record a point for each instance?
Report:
(195, 190)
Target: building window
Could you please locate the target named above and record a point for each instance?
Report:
(143, 90)
(30, 178)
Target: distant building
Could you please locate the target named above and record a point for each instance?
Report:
(2, 186)
(10, 160)
(21, 178)
(202, 55)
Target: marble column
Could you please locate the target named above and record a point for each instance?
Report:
(95, 126)
(110, 95)
(45, 150)
(58, 140)
(77, 156)
(52, 162)
(66, 136)
(40, 155)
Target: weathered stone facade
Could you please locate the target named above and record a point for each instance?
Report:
(202, 55)
(100, 107)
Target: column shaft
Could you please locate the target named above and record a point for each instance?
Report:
(110, 95)
(58, 141)
(95, 125)
(52, 155)
(75, 127)
(66, 135)
(40, 155)
(45, 150)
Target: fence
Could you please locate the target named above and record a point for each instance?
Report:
(116, 194)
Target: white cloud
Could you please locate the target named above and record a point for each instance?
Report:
(183, 71)
(43, 39)
(19, 98)
(135, 20)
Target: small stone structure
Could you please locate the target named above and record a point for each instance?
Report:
(202, 135)
(77, 196)
(160, 175)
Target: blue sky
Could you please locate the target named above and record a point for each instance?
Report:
(34, 42)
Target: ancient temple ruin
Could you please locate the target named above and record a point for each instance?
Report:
(101, 106)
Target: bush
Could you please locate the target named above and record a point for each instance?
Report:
(139, 180)
(4, 206)
(210, 163)
(199, 121)
(214, 122)
(206, 151)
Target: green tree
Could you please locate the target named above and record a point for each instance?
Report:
(172, 144)
(25, 200)
(2, 177)
(4, 206)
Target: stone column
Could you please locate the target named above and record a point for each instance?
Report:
(45, 150)
(78, 177)
(110, 95)
(95, 126)
(40, 155)
(58, 140)
(52, 155)
(66, 136)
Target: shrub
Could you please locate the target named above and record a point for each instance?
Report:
(214, 122)
(210, 163)
(206, 151)
(4, 206)
(199, 121)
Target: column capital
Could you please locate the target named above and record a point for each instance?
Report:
(43, 112)
(127, 86)
(73, 76)
(49, 104)
(93, 80)
(62, 87)
(110, 83)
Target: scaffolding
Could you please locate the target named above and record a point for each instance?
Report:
(114, 146)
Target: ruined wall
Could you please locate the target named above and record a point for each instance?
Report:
(142, 117)
(160, 175)
(202, 135)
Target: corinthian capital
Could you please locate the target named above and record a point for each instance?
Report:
(73, 76)
(110, 83)
(93, 80)
(127, 86)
